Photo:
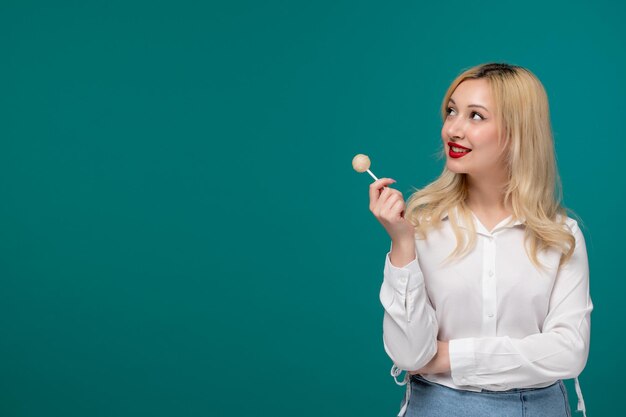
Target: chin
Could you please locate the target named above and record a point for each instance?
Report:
(455, 168)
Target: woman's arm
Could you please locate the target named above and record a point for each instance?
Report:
(560, 351)
(409, 325)
(440, 363)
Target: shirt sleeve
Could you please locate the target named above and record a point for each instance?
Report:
(560, 351)
(409, 325)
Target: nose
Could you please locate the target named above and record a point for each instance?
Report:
(455, 128)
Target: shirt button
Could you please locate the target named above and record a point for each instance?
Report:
(490, 273)
(490, 315)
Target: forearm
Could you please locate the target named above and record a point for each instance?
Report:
(507, 361)
(440, 362)
(410, 324)
(410, 345)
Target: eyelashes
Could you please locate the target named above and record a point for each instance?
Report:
(450, 109)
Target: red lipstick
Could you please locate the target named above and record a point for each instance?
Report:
(454, 154)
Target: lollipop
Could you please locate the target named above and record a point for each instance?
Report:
(361, 163)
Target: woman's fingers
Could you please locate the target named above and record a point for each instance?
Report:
(396, 209)
(387, 205)
(386, 199)
(391, 208)
(375, 190)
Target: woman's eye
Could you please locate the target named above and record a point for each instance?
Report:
(449, 110)
(477, 114)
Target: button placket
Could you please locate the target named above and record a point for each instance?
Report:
(410, 301)
(489, 287)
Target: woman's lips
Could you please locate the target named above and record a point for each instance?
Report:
(455, 154)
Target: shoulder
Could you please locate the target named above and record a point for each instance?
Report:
(570, 222)
(572, 226)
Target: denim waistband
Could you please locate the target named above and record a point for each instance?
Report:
(417, 377)
(395, 372)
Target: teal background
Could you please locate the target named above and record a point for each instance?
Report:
(182, 233)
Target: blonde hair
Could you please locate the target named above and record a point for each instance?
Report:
(534, 188)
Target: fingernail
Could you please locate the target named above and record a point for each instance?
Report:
(392, 180)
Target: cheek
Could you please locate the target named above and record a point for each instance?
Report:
(487, 140)
(490, 153)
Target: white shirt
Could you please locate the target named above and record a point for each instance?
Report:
(509, 324)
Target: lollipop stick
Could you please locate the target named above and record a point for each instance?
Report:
(373, 176)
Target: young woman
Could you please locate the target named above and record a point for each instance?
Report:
(486, 284)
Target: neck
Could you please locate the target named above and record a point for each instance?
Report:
(486, 194)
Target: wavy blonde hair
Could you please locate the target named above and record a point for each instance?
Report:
(534, 188)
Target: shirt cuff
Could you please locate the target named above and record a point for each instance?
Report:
(462, 360)
(403, 279)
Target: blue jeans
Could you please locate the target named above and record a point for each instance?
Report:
(429, 399)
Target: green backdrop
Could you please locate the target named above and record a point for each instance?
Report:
(181, 230)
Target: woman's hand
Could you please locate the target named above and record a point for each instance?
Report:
(388, 208)
(440, 363)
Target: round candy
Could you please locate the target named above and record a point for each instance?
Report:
(361, 163)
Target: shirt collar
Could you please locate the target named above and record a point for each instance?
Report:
(479, 227)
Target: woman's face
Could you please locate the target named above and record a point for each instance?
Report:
(471, 123)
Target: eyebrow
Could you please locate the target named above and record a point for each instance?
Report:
(471, 105)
